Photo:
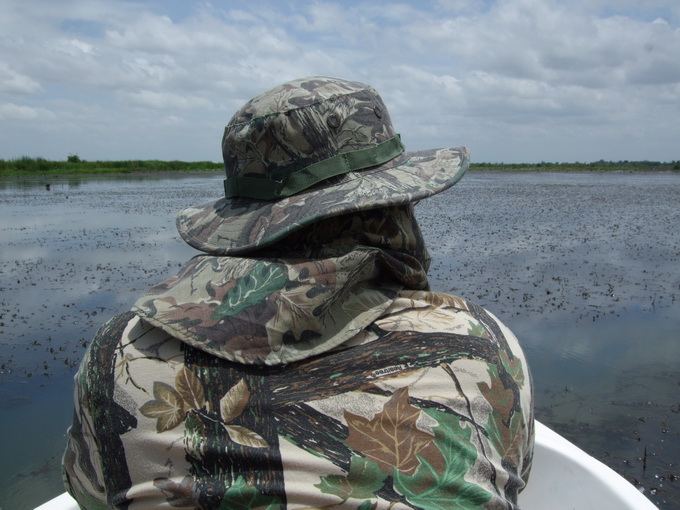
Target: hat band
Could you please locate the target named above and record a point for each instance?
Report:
(268, 189)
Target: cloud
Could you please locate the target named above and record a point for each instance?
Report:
(552, 42)
(11, 111)
(497, 74)
(165, 100)
(12, 82)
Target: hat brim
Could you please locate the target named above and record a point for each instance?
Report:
(232, 226)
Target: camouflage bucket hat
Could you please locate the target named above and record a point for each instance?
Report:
(307, 150)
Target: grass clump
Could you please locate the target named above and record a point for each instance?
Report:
(75, 165)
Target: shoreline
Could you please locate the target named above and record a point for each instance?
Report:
(74, 166)
(479, 167)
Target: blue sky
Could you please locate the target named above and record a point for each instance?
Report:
(514, 80)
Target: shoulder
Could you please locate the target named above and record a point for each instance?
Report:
(107, 338)
(116, 338)
(437, 312)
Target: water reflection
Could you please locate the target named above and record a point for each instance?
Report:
(72, 256)
(583, 267)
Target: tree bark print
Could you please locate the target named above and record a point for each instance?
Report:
(284, 394)
(111, 420)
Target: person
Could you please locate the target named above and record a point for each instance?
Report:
(301, 360)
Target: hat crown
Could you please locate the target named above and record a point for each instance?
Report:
(297, 125)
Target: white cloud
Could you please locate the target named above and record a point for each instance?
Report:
(12, 82)
(153, 34)
(517, 80)
(164, 100)
(551, 42)
(11, 111)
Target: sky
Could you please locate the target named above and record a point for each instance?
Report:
(516, 81)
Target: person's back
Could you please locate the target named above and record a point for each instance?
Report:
(302, 361)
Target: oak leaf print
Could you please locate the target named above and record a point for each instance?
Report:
(167, 407)
(391, 438)
(500, 398)
(439, 482)
(513, 367)
(190, 388)
(362, 481)
(505, 425)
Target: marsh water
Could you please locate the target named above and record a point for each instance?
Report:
(584, 267)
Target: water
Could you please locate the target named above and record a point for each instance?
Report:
(583, 267)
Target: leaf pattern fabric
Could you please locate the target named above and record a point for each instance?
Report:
(287, 167)
(391, 438)
(333, 379)
(314, 292)
(167, 407)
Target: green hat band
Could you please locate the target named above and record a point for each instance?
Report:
(262, 188)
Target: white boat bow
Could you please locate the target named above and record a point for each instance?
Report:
(564, 477)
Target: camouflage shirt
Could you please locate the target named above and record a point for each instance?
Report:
(329, 380)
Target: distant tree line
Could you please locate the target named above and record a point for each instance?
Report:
(600, 165)
(75, 165)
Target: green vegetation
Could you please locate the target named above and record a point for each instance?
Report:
(596, 166)
(74, 165)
